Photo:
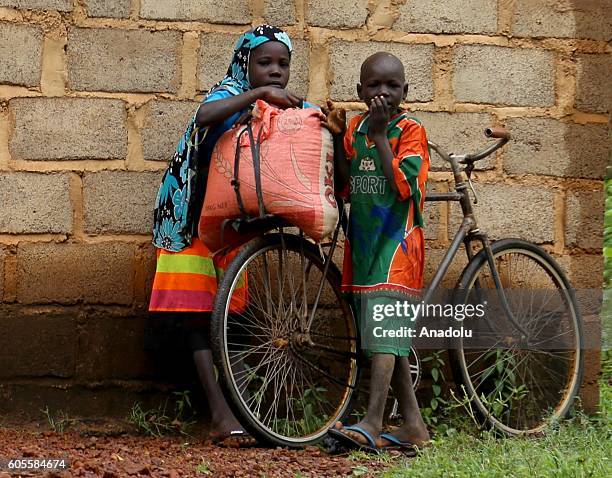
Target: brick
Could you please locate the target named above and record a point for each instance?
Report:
(119, 202)
(216, 51)
(232, 11)
(22, 401)
(431, 213)
(215, 56)
(37, 345)
(35, 203)
(457, 133)
(584, 212)
(59, 5)
(276, 13)
(433, 259)
(563, 19)
(347, 57)
(593, 92)
(106, 8)
(118, 346)
(71, 273)
(525, 212)
(339, 14)
(126, 60)
(448, 17)
(508, 76)
(164, 124)
(20, 54)
(547, 146)
(68, 128)
(298, 80)
(583, 271)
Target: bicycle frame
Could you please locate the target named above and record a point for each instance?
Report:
(467, 233)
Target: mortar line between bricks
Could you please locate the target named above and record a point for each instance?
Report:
(442, 77)
(10, 277)
(15, 239)
(138, 239)
(505, 16)
(134, 160)
(77, 201)
(559, 212)
(189, 65)
(565, 83)
(319, 72)
(135, 9)
(54, 72)
(5, 153)
(46, 166)
(257, 9)
(300, 13)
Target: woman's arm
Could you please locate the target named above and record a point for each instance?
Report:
(216, 111)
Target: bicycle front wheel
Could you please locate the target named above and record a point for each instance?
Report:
(286, 383)
(524, 378)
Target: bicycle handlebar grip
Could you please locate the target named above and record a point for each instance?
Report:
(497, 133)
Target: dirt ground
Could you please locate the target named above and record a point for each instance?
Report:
(110, 454)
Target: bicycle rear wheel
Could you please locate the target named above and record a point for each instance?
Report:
(286, 386)
(520, 386)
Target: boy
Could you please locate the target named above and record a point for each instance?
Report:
(384, 155)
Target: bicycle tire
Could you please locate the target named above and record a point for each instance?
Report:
(551, 376)
(283, 390)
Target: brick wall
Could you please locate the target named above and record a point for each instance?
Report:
(93, 96)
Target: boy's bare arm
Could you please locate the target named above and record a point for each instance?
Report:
(379, 119)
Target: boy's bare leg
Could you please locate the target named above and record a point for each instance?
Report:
(413, 428)
(382, 371)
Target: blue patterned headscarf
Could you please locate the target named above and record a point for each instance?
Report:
(236, 79)
(173, 218)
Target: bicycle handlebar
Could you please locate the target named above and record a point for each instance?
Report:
(501, 133)
(497, 133)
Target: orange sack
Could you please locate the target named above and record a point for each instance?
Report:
(297, 181)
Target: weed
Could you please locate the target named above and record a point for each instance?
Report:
(431, 413)
(59, 423)
(203, 467)
(160, 421)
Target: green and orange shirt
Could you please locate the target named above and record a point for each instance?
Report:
(385, 247)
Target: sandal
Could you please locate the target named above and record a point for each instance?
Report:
(351, 442)
(406, 447)
(233, 439)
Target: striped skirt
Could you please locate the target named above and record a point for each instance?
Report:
(187, 281)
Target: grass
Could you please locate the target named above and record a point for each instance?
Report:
(580, 447)
(164, 420)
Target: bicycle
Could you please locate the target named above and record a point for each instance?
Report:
(289, 361)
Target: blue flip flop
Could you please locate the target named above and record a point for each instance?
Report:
(350, 442)
(404, 446)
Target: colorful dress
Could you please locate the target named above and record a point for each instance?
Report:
(385, 247)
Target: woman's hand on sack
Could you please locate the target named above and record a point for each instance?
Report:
(380, 114)
(279, 97)
(334, 118)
